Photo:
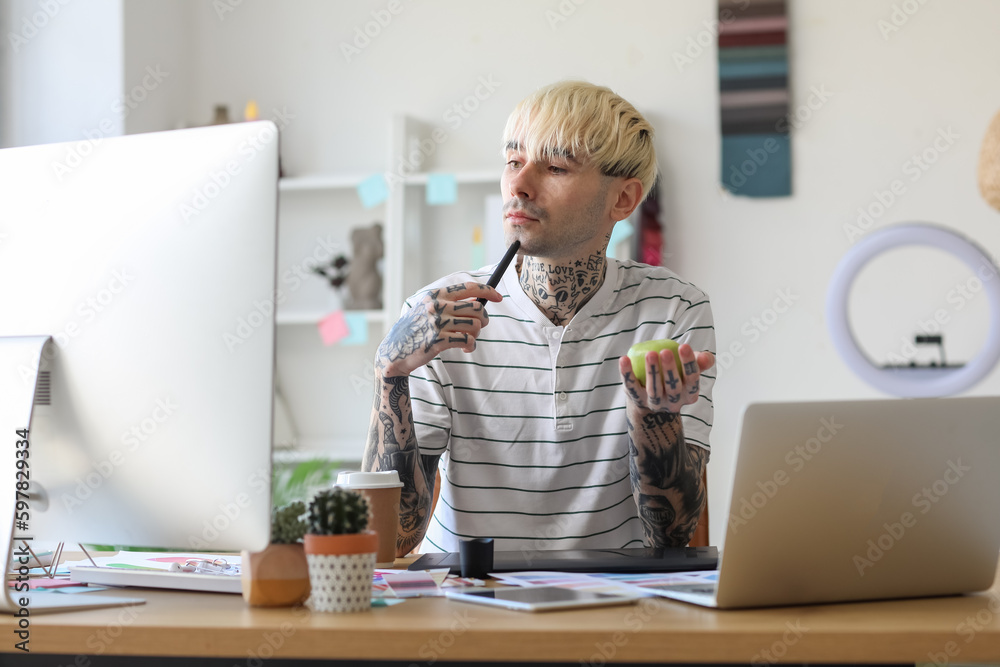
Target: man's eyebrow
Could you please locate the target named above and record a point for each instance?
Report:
(564, 153)
(551, 152)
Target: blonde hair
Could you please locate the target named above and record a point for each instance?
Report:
(589, 122)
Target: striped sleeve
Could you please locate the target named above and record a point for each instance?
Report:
(431, 414)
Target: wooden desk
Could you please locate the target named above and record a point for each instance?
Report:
(956, 629)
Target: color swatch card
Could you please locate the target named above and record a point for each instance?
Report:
(754, 98)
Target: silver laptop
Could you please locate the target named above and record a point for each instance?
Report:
(860, 500)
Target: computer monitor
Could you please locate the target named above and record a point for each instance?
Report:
(149, 259)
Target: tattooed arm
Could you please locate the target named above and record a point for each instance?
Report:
(666, 471)
(445, 318)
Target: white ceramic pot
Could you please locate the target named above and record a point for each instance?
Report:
(341, 582)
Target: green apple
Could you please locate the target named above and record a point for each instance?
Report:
(637, 353)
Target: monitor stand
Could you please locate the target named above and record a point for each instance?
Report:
(21, 361)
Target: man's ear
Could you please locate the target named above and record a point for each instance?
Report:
(629, 194)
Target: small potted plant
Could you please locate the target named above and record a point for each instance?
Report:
(340, 551)
(278, 576)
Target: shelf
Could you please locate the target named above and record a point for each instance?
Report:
(347, 181)
(481, 177)
(321, 182)
(311, 316)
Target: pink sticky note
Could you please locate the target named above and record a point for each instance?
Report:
(333, 327)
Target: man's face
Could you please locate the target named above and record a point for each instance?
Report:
(556, 207)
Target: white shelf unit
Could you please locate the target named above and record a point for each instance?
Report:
(402, 226)
(421, 243)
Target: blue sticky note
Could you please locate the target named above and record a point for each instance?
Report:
(441, 189)
(373, 191)
(357, 323)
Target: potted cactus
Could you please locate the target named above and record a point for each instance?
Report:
(340, 551)
(278, 576)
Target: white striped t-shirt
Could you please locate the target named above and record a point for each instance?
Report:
(531, 426)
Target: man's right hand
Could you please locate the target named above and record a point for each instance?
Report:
(444, 318)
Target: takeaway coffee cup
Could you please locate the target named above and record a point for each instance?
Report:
(382, 490)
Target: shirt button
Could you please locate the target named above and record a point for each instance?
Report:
(557, 333)
(562, 396)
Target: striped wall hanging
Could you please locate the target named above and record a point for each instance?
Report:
(753, 98)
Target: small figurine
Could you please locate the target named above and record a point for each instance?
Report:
(364, 282)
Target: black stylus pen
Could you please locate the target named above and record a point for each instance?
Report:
(501, 267)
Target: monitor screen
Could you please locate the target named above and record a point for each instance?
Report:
(146, 259)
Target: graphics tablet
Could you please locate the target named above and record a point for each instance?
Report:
(539, 598)
(638, 559)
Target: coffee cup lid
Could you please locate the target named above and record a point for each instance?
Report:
(387, 479)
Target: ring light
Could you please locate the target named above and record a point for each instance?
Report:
(943, 381)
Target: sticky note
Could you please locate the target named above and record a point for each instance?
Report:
(357, 323)
(333, 327)
(478, 249)
(373, 191)
(441, 189)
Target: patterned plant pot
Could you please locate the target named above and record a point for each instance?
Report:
(340, 570)
(278, 576)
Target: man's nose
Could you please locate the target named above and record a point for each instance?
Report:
(522, 183)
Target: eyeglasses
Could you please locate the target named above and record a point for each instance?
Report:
(206, 566)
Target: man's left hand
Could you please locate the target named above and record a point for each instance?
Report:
(664, 391)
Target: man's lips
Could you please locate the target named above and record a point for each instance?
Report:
(518, 218)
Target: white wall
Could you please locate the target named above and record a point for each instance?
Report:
(889, 96)
(63, 63)
(158, 64)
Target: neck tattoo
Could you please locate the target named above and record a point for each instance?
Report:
(561, 290)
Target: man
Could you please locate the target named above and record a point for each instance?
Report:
(542, 435)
